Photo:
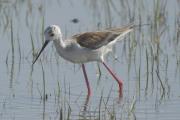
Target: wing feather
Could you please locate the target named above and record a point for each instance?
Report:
(95, 40)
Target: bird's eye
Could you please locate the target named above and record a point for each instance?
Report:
(52, 34)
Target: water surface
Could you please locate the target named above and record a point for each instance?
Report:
(147, 60)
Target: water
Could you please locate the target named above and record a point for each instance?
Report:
(148, 61)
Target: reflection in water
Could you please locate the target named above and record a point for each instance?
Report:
(148, 61)
(87, 112)
(44, 108)
(44, 97)
(84, 112)
(104, 105)
(86, 103)
(12, 50)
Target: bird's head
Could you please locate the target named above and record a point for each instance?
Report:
(51, 33)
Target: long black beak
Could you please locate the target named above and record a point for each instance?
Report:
(45, 44)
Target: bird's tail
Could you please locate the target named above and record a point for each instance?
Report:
(127, 28)
(123, 29)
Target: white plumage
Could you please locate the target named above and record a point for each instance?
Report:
(86, 47)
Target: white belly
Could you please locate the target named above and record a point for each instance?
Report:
(77, 54)
(82, 55)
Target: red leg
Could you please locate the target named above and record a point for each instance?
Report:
(86, 79)
(120, 83)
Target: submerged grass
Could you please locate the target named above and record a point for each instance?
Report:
(143, 57)
(162, 85)
(147, 72)
(99, 74)
(131, 109)
(13, 56)
(32, 45)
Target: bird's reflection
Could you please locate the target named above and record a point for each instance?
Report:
(85, 110)
(86, 103)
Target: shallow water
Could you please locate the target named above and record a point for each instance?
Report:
(147, 60)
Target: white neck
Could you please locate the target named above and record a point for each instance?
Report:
(59, 44)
